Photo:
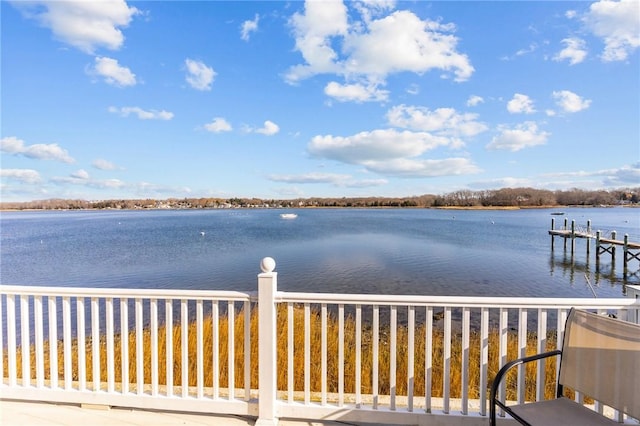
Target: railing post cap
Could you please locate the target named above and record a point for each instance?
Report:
(267, 265)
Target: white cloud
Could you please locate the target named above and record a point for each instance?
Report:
(474, 100)
(520, 104)
(403, 42)
(524, 135)
(365, 183)
(627, 175)
(218, 125)
(270, 128)
(112, 72)
(442, 121)
(86, 25)
(338, 180)
(249, 27)
(406, 167)
(91, 183)
(618, 24)
(505, 182)
(372, 8)
(369, 50)
(311, 178)
(199, 75)
(15, 146)
(80, 174)
(413, 89)
(355, 92)
(101, 164)
(390, 152)
(22, 175)
(313, 31)
(574, 51)
(377, 145)
(570, 102)
(141, 113)
(12, 145)
(529, 49)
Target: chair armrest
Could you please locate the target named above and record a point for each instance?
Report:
(503, 371)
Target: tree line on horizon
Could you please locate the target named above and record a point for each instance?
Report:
(505, 197)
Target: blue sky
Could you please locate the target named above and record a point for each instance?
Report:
(107, 99)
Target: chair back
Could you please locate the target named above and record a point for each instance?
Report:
(601, 359)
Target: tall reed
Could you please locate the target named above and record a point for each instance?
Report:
(315, 373)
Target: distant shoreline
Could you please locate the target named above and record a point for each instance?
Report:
(479, 208)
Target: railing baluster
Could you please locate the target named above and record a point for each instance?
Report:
(504, 324)
(323, 355)
(358, 348)
(428, 358)
(340, 355)
(139, 347)
(124, 344)
(247, 350)
(95, 342)
(522, 352)
(199, 349)
(541, 347)
(53, 340)
(66, 332)
(446, 374)
(290, 327)
(153, 313)
(375, 354)
(484, 359)
(232, 350)
(599, 407)
(307, 353)
(24, 333)
(466, 324)
(411, 325)
(81, 337)
(215, 341)
(110, 346)
(393, 329)
(561, 322)
(2, 323)
(39, 343)
(11, 339)
(184, 347)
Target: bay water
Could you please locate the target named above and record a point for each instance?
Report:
(384, 251)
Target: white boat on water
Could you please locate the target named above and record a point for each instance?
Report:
(288, 215)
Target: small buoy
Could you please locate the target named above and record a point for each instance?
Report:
(202, 233)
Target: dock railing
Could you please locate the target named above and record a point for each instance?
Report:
(351, 357)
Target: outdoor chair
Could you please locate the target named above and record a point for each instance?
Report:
(600, 358)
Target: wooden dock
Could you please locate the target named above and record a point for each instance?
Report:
(604, 244)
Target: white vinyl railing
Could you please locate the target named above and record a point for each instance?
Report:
(351, 357)
(98, 331)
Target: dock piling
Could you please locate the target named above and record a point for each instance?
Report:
(588, 239)
(604, 244)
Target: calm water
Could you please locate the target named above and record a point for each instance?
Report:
(439, 252)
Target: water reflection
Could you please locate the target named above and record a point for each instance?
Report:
(579, 269)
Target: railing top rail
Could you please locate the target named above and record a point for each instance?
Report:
(455, 301)
(116, 293)
(329, 298)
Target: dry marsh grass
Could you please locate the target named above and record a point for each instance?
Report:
(315, 373)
